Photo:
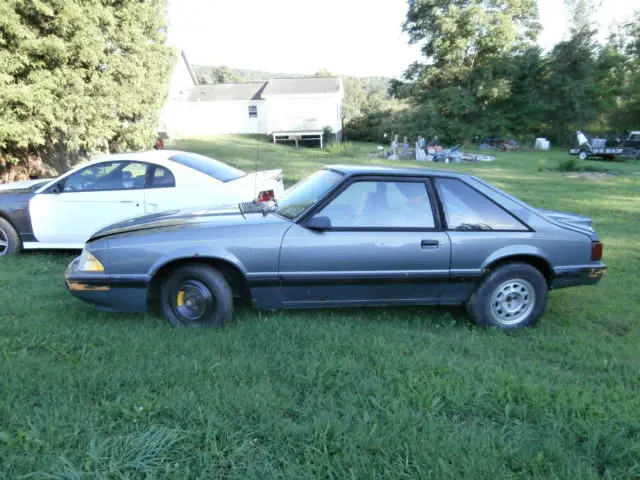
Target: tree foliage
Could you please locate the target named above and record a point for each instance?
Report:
(482, 74)
(80, 76)
(626, 47)
(219, 74)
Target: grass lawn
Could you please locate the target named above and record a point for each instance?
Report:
(406, 393)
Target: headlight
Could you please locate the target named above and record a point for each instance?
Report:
(89, 263)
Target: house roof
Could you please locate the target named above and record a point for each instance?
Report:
(302, 86)
(225, 92)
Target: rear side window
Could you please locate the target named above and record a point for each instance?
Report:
(160, 177)
(466, 209)
(208, 166)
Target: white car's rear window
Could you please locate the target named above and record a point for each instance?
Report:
(208, 166)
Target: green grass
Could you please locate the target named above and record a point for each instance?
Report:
(381, 393)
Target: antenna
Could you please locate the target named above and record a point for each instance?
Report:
(255, 177)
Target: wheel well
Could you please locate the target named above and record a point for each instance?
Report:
(8, 220)
(536, 262)
(231, 273)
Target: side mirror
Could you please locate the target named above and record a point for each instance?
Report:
(319, 223)
(56, 188)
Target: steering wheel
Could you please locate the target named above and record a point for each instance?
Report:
(89, 184)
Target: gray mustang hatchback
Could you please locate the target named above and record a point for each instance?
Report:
(345, 236)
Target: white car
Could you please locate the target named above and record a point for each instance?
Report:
(62, 213)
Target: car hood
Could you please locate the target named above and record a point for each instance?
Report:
(25, 186)
(570, 219)
(218, 217)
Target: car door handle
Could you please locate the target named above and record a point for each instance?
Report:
(430, 244)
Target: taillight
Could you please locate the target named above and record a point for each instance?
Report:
(266, 196)
(596, 251)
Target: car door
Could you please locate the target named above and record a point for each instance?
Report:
(68, 212)
(384, 246)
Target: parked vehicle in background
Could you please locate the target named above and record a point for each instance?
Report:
(631, 145)
(62, 213)
(346, 236)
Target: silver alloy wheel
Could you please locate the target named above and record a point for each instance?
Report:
(513, 301)
(4, 242)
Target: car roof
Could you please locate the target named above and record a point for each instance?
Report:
(148, 155)
(382, 170)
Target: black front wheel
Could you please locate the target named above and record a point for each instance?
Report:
(196, 296)
(9, 240)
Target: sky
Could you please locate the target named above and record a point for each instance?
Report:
(348, 37)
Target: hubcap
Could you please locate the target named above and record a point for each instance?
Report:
(4, 242)
(513, 301)
(192, 300)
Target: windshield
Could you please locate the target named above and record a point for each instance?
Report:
(36, 186)
(305, 193)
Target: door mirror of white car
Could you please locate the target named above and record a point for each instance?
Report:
(319, 223)
(57, 187)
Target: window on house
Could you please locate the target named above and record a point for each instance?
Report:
(253, 111)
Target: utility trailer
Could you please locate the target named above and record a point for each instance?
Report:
(597, 147)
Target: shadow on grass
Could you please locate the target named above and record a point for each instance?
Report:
(412, 315)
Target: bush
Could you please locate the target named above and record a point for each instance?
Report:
(568, 165)
(540, 164)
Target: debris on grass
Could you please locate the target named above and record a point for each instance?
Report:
(590, 175)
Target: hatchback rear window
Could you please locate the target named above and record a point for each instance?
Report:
(467, 209)
(208, 166)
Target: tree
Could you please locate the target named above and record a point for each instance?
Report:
(457, 36)
(627, 116)
(574, 98)
(79, 77)
(581, 13)
(222, 74)
(354, 97)
(467, 46)
(323, 72)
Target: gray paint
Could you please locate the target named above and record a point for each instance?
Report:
(288, 265)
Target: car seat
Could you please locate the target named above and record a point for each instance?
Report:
(376, 204)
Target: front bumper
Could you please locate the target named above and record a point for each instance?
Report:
(107, 292)
(581, 275)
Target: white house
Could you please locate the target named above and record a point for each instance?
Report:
(283, 108)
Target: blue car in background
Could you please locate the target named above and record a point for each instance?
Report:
(346, 236)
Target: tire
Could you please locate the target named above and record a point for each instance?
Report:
(196, 295)
(583, 155)
(512, 296)
(10, 243)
